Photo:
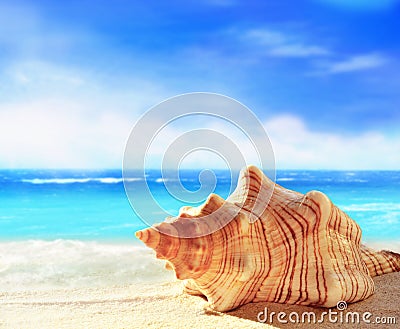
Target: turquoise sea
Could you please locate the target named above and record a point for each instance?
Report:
(68, 228)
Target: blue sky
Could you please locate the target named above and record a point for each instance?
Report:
(323, 76)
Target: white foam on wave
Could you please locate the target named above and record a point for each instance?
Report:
(285, 179)
(104, 180)
(41, 265)
(56, 180)
(108, 180)
(357, 181)
(165, 180)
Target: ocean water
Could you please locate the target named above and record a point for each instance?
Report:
(76, 228)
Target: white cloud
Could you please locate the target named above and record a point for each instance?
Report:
(234, 146)
(297, 146)
(67, 118)
(283, 45)
(63, 117)
(298, 50)
(356, 63)
(65, 134)
(54, 134)
(69, 134)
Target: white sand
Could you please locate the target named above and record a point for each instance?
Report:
(164, 306)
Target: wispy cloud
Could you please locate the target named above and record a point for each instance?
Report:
(298, 50)
(298, 146)
(74, 83)
(284, 45)
(356, 63)
(329, 61)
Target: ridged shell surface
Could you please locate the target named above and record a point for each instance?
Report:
(280, 246)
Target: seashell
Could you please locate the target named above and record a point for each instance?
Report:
(301, 250)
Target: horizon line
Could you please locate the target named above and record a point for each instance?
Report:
(192, 169)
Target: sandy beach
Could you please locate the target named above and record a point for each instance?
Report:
(163, 305)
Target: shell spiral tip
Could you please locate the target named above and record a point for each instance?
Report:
(139, 234)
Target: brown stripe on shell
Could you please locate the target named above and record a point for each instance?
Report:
(301, 250)
(380, 262)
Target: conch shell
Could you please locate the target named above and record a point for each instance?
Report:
(301, 250)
